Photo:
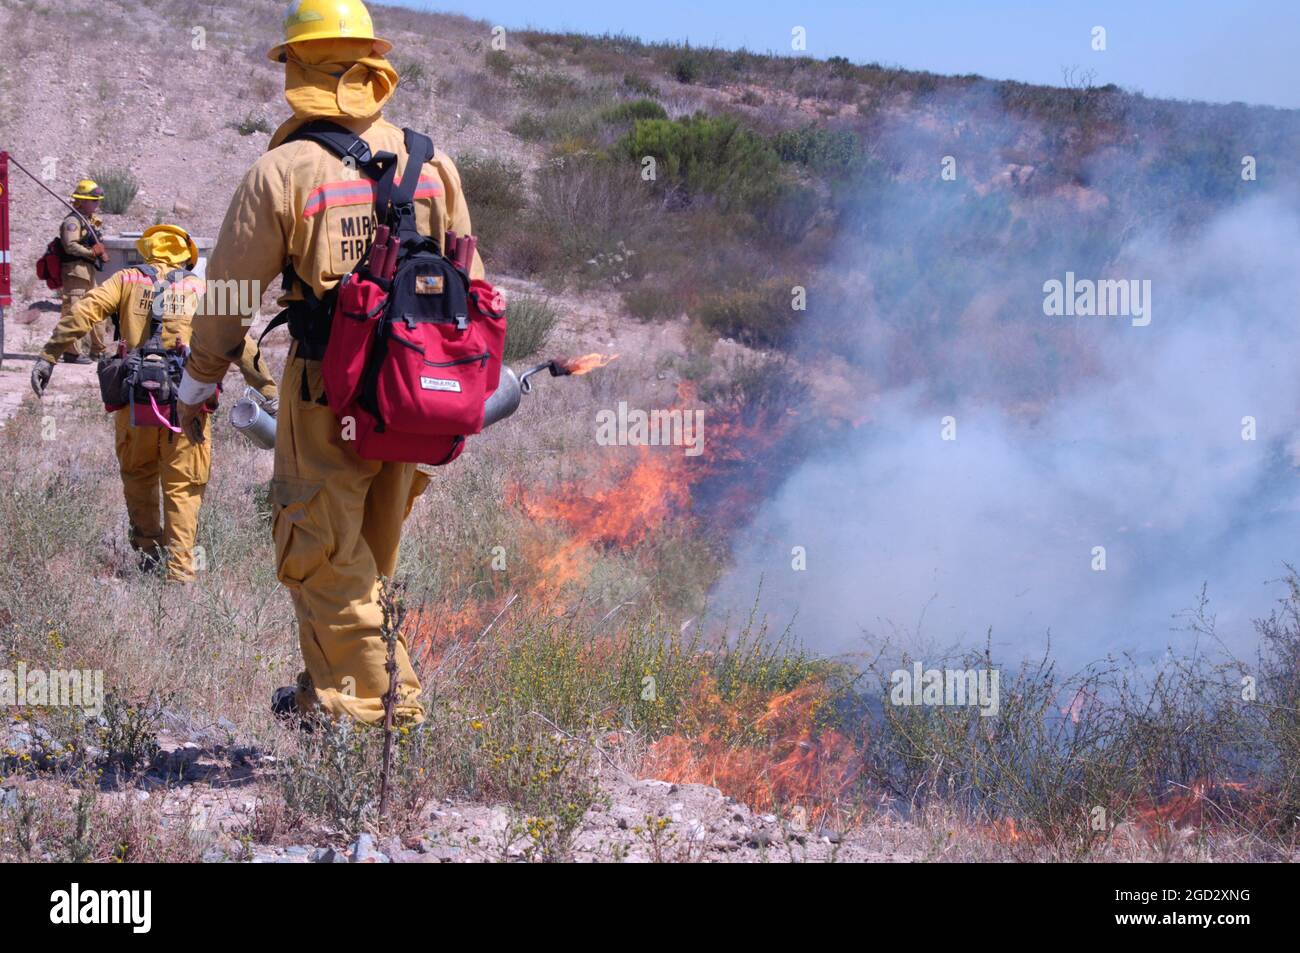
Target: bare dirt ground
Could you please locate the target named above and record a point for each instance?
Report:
(637, 821)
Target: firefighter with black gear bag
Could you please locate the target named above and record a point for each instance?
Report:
(321, 208)
(164, 469)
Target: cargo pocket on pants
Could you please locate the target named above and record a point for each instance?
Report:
(301, 529)
(192, 461)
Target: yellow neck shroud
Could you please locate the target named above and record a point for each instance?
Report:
(334, 78)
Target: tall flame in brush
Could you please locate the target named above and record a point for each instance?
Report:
(441, 625)
(765, 748)
(765, 751)
(622, 503)
(1203, 804)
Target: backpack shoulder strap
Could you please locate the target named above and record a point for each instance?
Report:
(419, 150)
(345, 144)
(155, 319)
(379, 167)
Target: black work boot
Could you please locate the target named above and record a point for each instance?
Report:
(284, 705)
(151, 562)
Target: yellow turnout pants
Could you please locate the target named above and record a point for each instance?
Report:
(163, 471)
(338, 524)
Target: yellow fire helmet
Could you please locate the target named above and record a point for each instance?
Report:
(88, 190)
(327, 20)
(167, 241)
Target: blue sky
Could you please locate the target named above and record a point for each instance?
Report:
(1216, 50)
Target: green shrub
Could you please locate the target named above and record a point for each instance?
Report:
(544, 86)
(825, 151)
(584, 206)
(498, 63)
(651, 301)
(793, 212)
(686, 68)
(638, 85)
(495, 191)
(492, 180)
(840, 66)
(576, 124)
(250, 124)
(529, 127)
(333, 777)
(709, 155)
(120, 188)
(412, 74)
(531, 320)
(759, 317)
(129, 732)
(634, 110)
(527, 251)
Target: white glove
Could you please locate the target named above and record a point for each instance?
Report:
(194, 392)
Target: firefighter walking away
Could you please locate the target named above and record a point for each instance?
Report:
(164, 469)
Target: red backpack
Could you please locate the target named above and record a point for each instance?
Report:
(410, 347)
(49, 267)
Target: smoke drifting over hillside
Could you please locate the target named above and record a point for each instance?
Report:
(1072, 432)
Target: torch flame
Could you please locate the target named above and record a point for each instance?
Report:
(585, 364)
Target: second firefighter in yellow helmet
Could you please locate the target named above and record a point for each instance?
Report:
(83, 254)
(163, 473)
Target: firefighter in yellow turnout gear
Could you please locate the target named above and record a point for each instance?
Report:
(82, 255)
(337, 517)
(161, 470)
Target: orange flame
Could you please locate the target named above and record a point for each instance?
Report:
(623, 514)
(1006, 831)
(791, 763)
(1202, 804)
(585, 364)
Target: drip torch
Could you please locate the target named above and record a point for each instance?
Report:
(249, 418)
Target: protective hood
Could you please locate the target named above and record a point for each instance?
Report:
(334, 78)
(168, 245)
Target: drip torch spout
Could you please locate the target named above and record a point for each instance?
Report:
(556, 369)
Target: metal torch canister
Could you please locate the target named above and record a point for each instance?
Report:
(504, 400)
(250, 419)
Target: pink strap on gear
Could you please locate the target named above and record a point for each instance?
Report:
(161, 419)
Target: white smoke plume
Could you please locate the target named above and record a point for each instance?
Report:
(1072, 433)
